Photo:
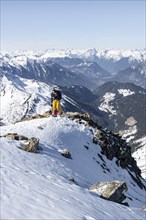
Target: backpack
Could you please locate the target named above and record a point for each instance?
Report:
(59, 94)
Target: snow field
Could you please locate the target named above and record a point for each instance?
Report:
(39, 183)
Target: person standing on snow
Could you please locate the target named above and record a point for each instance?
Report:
(55, 101)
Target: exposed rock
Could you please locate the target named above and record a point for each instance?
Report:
(113, 191)
(137, 180)
(32, 146)
(84, 117)
(143, 208)
(45, 115)
(131, 121)
(112, 145)
(15, 136)
(65, 152)
(75, 115)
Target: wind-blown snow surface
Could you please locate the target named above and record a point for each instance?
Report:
(37, 186)
(140, 156)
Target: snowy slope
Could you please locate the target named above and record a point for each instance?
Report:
(37, 186)
(20, 97)
(39, 183)
(124, 104)
(140, 156)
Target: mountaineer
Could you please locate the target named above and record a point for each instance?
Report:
(56, 96)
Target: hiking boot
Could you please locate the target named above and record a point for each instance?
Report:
(55, 113)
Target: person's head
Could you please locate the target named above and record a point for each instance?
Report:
(55, 88)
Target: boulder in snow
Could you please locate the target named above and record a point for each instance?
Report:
(32, 146)
(65, 153)
(15, 136)
(113, 191)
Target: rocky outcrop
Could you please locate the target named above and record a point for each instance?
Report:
(65, 153)
(32, 145)
(15, 136)
(143, 208)
(112, 145)
(31, 117)
(113, 191)
(83, 119)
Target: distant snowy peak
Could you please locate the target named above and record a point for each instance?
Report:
(116, 55)
(91, 54)
(17, 60)
(90, 68)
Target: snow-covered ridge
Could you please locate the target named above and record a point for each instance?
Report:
(77, 66)
(139, 55)
(44, 188)
(106, 105)
(20, 97)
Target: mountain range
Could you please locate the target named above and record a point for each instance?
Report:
(110, 96)
(102, 127)
(90, 68)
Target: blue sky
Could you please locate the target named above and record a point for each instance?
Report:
(41, 25)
